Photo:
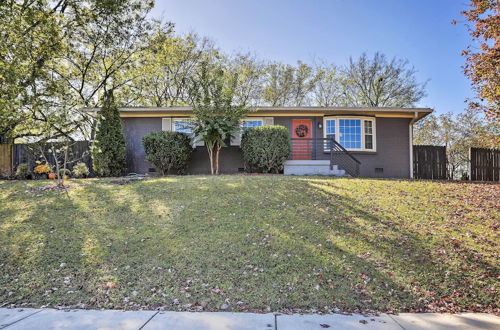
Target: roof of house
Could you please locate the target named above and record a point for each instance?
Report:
(418, 113)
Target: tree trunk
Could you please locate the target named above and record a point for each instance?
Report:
(210, 157)
(216, 159)
(213, 155)
(61, 183)
(58, 168)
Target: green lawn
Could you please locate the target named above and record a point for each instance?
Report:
(253, 243)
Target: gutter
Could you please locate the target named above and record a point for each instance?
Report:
(410, 129)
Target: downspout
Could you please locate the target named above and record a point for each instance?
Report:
(410, 128)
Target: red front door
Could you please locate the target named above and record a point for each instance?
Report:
(302, 129)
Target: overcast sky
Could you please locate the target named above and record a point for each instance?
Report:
(332, 30)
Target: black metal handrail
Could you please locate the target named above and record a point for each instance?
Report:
(324, 149)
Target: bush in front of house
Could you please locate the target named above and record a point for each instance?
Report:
(168, 151)
(41, 171)
(265, 149)
(22, 171)
(64, 172)
(80, 170)
(108, 149)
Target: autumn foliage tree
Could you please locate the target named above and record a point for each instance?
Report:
(483, 63)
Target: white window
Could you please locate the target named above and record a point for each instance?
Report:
(252, 122)
(183, 125)
(368, 134)
(353, 133)
(330, 128)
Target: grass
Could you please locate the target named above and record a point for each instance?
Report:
(252, 243)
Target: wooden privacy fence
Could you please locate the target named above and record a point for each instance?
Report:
(6, 162)
(484, 164)
(429, 162)
(11, 155)
(78, 151)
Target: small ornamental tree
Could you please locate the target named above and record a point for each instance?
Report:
(265, 149)
(168, 150)
(108, 149)
(217, 117)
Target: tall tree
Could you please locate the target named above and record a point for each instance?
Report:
(250, 78)
(278, 84)
(217, 115)
(304, 83)
(483, 58)
(108, 149)
(59, 56)
(288, 85)
(161, 75)
(30, 36)
(102, 38)
(379, 82)
(329, 89)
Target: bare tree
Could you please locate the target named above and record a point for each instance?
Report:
(250, 74)
(378, 82)
(278, 84)
(287, 85)
(329, 88)
(305, 80)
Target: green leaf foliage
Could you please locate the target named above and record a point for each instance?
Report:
(217, 117)
(217, 114)
(22, 171)
(108, 150)
(80, 170)
(266, 148)
(168, 151)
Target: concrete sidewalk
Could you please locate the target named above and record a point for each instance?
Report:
(109, 319)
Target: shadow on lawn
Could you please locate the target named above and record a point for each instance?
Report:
(40, 246)
(410, 274)
(349, 289)
(205, 230)
(67, 252)
(440, 281)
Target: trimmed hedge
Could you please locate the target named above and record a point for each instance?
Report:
(168, 151)
(265, 149)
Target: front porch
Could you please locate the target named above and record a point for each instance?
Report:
(311, 167)
(320, 156)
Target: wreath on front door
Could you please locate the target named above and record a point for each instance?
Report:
(301, 130)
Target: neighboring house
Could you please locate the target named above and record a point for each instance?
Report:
(380, 139)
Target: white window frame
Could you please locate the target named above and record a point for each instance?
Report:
(337, 131)
(184, 119)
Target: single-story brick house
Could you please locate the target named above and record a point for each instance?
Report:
(379, 140)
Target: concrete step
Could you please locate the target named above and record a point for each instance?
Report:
(311, 167)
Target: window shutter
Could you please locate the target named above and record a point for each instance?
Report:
(268, 121)
(236, 139)
(166, 124)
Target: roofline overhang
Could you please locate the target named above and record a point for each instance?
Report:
(416, 113)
